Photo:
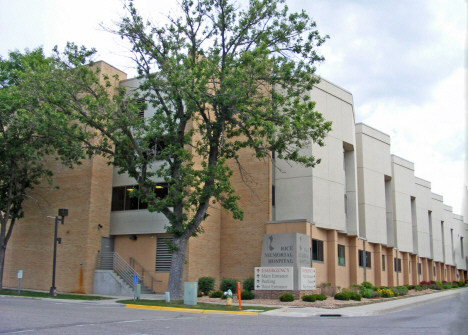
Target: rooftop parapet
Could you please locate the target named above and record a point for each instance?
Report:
(372, 132)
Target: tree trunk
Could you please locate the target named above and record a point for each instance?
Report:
(2, 264)
(176, 275)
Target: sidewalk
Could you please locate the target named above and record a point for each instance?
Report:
(366, 310)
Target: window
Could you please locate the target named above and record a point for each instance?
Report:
(434, 272)
(273, 196)
(365, 258)
(341, 255)
(383, 262)
(409, 267)
(419, 268)
(163, 255)
(462, 250)
(397, 264)
(317, 250)
(121, 200)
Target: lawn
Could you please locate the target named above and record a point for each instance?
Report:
(200, 305)
(33, 294)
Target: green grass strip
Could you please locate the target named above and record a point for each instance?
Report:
(33, 294)
(200, 305)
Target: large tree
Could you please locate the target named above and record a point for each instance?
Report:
(220, 79)
(25, 142)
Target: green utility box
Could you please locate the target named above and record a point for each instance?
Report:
(137, 291)
(190, 293)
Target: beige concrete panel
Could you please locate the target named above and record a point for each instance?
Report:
(352, 218)
(336, 207)
(137, 222)
(294, 198)
(359, 149)
(379, 189)
(403, 179)
(349, 135)
(124, 179)
(363, 217)
(402, 206)
(424, 247)
(351, 174)
(285, 169)
(321, 202)
(361, 185)
(404, 236)
(320, 97)
(333, 113)
(367, 149)
(335, 161)
(381, 226)
(322, 170)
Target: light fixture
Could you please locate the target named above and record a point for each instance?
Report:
(133, 237)
(99, 226)
(129, 189)
(158, 186)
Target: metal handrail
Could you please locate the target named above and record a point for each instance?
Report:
(133, 261)
(112, 261)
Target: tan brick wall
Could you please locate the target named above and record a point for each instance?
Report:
(241, 241)
(86, 192)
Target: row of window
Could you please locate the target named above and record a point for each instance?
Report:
(364, 257)
(121, 200)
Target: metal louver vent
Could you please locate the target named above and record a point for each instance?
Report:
(163, 256)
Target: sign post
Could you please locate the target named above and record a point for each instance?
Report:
(20, 275)
(135, 283)
(239, 294)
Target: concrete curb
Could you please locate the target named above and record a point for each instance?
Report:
(188, 310)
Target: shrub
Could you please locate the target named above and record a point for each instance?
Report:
(206, 284)
(401, 290)
(438, 283)
(462, 283)
(216, 294)
(455, 285)
(247, 295)
(249, 284)
(367, 285)
(446, 286)
(410, 287)
(425, 283)
(354, 296)
(432, 282)
(321, 297)
(228, 284)
(199, 294)
(314, 297)
(396, 294)
(309, 298)
(386, 292)
(287, 297)
(434, 287)
(342, 296)
(367, 293)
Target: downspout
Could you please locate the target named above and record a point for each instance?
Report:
(365, 260)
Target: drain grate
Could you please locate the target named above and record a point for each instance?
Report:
(330, 315)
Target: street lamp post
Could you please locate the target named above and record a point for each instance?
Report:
(61, 212)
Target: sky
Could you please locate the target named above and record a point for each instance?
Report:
(403, 61)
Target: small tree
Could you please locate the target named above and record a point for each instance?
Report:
(220, 79)
(25, 142)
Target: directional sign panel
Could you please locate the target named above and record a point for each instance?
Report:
(277, 278)
(306, 278)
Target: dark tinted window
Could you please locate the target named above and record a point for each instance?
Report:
(118, 198)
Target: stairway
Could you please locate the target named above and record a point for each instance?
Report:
(125, 272)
